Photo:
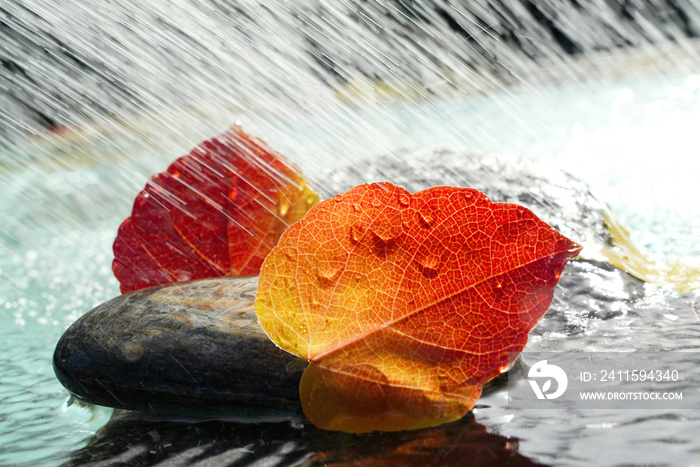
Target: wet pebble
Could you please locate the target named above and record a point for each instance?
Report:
(189, 349)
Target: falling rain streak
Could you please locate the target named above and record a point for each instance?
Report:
(95, 97)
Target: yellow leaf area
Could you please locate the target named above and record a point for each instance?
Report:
(682, 276)
(405, 304)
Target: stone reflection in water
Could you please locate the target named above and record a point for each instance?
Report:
(131, 438)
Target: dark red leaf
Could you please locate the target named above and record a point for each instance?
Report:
(217, 211)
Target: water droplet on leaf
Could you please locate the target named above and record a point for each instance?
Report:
(386, 232)
(430, 262)
(328, 272)
(427, 216)
(356, 233)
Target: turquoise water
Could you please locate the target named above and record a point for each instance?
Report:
(634, 141)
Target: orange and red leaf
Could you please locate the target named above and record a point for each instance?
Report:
(406, 304)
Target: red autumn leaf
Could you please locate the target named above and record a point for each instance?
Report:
(406, 304)
(217, 211)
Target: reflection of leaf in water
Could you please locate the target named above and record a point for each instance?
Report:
(406, 304)
(217, 211)
(130, 438)
(464, 442)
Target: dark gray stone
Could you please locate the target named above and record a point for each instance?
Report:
(190, 349)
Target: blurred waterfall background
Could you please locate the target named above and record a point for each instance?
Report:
(98, 95)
